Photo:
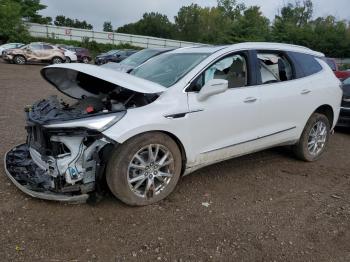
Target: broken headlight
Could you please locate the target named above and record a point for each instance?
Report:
(98, 123)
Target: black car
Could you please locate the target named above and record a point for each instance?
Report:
(113, 56)
(136, 59)
(344, 117)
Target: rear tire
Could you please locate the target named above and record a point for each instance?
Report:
(85, 60)
(57, 60)
(314, 139)
(19, 60)
(68, 60)
(138, 177)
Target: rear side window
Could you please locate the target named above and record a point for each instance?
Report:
(47, 47)
(331, 63)
(307, 63)
(274, 67)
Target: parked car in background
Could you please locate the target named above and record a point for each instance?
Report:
(178, 112)
(71, 56)
(83, 54)
(10, 46)
(113, 56)
(341, 74)
(35, 52)
(133, 61)
(344, 117)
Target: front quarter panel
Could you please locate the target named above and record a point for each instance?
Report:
(153, 117)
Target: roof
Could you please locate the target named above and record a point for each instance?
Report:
(249, 45)
(199, 49)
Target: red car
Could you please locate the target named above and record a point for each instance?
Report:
(83, 54)
(333, 64)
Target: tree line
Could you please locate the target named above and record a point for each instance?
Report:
(233, 22)
(228, 22)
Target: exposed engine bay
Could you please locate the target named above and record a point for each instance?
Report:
(67, 162)
(53, 109)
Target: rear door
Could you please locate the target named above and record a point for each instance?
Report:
(280, 96)
(47, 52)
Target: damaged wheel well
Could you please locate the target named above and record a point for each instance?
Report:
(173, 137)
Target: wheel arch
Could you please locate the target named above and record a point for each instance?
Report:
(56, 56)
(328, 111)
(175, 138)
(20, 56)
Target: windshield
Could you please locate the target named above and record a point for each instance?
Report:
(169, 68)
(139, 57)
(346, 81)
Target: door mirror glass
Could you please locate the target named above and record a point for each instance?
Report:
(212, 87)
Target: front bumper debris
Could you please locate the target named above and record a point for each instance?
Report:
(33, 180)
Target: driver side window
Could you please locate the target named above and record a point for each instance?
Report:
(232, 68)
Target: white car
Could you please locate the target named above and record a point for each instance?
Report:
(9, 46)
(71, 57)
(174, 114)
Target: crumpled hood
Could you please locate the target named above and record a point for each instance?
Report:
(79, 80)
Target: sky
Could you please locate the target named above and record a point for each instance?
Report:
(120, 12)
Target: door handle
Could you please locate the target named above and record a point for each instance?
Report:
(305, 92)
(250, 100)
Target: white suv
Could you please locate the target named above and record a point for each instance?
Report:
(176, 113)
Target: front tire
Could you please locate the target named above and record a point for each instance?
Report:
(19, 60)
(145, 169)
(68, 60)
(57, 60)
(314, 139)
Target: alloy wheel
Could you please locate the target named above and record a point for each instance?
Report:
(20, 60)
(317, 138)
(150, 170)
(57, 60)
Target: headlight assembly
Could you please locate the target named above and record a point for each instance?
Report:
(98, 123)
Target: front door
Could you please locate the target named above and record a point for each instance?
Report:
(226, 124)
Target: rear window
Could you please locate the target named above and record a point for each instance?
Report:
(331, 63)
(307, 63)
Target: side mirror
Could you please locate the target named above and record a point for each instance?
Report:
(213, 87)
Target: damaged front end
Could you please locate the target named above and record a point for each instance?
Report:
(62, 164)
(65, 153)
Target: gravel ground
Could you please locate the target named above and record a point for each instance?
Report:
(262, 207)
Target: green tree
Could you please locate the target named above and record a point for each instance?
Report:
(231, 8)
(29, 11)
(251, 26)
(151, 24)
(11, 25)
(188, 23)
(331, 36)
(61, 20)
(293, 24)
(107, 26)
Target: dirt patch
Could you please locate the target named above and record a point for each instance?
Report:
(262, 207)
